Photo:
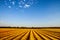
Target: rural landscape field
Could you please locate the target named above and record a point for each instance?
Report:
(29, 19)
(29, 34)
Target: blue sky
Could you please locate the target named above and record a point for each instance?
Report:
(30, 12)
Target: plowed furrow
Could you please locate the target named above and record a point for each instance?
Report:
(12, 37)
(53, 38)
(37, 36)
(2, 35)
(19, 36)
(25, 36)
(44, 37)
(32, 36)
(54, 34)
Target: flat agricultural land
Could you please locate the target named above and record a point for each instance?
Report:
(29, 34)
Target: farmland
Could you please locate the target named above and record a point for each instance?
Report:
(29, 34)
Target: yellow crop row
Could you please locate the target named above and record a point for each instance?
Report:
(29, 34)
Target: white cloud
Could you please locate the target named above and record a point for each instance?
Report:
(9, 6)
(26, 6)
(13, 2)
(24, 0)
(20, 6)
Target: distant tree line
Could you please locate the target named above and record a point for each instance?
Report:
(30, 27)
